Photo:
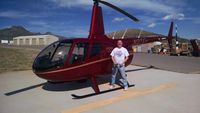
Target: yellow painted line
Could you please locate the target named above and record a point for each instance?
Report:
(131, 93)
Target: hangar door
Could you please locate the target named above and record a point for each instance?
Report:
(27, 41)
(34, 41)
(41, 41)
(15, 41)
(21, 42)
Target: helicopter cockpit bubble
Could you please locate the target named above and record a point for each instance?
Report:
(53, 56)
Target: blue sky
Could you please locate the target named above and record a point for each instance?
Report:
(71, 18)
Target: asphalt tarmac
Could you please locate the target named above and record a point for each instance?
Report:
(153, 91)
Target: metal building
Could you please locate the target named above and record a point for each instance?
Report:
(35, 40)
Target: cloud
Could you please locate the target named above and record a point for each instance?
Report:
(64, 29)
(118, 19)
(179, 16)
(151, 25)
(195, 20)
(71, 3)
(20, 14)
(157, 6)
(12, 14)
(77, 32)
(40, 24)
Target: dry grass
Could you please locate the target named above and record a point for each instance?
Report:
(12, 59)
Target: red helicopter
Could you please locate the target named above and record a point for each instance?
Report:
(87, 58)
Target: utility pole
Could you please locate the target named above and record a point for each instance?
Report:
(177, 43)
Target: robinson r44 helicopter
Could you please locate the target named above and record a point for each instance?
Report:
(87, 58)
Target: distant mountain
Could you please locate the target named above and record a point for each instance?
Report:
(9, 33)
(183, 40)
(14, 31)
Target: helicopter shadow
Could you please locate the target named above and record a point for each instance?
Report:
(75, 85)
(24, 89)
(69, 86)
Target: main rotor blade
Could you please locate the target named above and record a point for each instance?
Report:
(120, 10)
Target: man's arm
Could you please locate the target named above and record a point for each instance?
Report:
(125, 60)
(126, 56)
(113, 59)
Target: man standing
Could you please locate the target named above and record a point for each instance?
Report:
(119, 57)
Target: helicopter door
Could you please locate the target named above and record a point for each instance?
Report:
(96, 50)
(79, 53)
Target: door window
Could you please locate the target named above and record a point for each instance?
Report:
(96, 49)
(79, 53)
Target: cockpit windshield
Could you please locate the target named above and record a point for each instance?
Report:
(53, 56)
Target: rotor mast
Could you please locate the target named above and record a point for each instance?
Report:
(97, 25)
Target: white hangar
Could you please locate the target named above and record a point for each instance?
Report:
(35, 40)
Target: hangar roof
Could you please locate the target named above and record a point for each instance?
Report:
(36, 36)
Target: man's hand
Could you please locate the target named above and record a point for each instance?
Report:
(125, 60)
(114, 62)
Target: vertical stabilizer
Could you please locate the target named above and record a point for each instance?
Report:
(170, 36)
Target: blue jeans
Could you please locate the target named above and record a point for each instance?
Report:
(121, 69)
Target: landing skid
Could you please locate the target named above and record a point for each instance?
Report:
(94, 94)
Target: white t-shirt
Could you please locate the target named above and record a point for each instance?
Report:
(119, 54)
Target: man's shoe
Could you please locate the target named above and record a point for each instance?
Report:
(112, 86)
(126, 88)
